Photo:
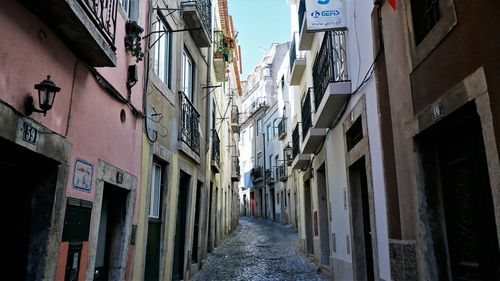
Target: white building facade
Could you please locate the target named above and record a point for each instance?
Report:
(262, 110)
(336, 143)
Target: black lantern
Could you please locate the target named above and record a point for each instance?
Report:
(287, 152)
(47, 90)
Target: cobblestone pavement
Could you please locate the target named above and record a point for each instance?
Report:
(259, 250)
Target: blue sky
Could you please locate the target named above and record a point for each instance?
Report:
(259, 23)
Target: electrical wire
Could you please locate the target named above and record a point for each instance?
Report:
(145, 94)
(357, 41)
(68, 122)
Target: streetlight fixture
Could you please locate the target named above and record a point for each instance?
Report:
(47, 90)
(287, 152)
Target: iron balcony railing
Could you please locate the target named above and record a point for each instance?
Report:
(215, 147)
(331, 63)
(269, 176)
(103, 15)
(204, 8)
(190, 122)
(256, 173)
(235, 114)
(293, 52)
(257, 104)
(302, 13)
(281, 171)
(282, 127)
(295, 141)
(235, 167)
(306, 113)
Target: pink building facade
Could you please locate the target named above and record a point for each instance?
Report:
(70, 178)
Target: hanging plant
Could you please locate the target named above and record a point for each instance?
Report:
(133, 39)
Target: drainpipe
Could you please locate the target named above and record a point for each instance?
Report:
(208, 103)
(264, 171)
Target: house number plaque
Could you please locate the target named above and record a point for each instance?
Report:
(30, 134)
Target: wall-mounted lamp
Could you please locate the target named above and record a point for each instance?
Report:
(287, 152)
(47, 90)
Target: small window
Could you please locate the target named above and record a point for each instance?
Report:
(425, 15)
(155, 202)
(269, 132)
(354, 134)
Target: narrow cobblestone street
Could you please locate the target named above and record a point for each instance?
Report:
(259, 250)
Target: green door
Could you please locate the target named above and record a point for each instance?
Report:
(152, 271)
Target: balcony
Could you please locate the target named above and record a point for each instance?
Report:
(219, 67)
(87, 26)
(259, 103)
(235, 118)
(256, 174)
(197, 16)
(189, 135)
(312, 137)
(222, 55)
(254, 108)
(281, 172)
(235, 168)
(297, 64)
(282, 128)
(332, 86)
(305, 38)
(215, 160)
(270, 176)
(300, 161)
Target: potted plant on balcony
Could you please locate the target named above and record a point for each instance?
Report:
(224, 46)
(219, 44)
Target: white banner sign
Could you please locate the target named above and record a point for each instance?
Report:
(325, 15)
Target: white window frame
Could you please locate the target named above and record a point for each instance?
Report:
(126, 4)
(188, 68)
(163, 51)
(155, 195)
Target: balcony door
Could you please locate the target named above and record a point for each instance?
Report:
(188, 68)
